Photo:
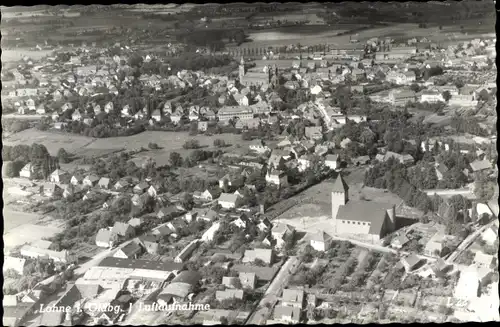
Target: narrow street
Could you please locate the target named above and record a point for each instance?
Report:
(468, 241)
(82, 269)
(273, 292)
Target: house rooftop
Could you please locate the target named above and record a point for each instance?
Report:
(140, 264)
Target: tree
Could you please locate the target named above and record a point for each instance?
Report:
(483, 96)
(188, 201)
(135, 60)
(153, 146)
(191, 144)
(219, 143)
(446, 96)
(175, 159)
(9, 170)
(63, 156)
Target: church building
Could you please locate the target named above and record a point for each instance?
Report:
(260, 77)
(370, 218)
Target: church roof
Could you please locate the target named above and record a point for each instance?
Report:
(365, 211)
(340, 185)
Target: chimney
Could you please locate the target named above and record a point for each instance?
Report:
(262, 208)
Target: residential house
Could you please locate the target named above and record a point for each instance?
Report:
(168, 212)
(26, 171)
(207, 215)
(332, 161)
(431, 97)
(248, 280)
(229, 294)
(90, 180)
(480, 165)
(150, 243)
(104, 183)
(231, 181)
(259, 146)
(277, 177)
(229, 201)
(141, 187)
(277, 160)
(483, 260)
(305, 162)
(401, 97)
(242, 100)
(241, 222)
(314, 132)
(435, 245)
(280, 232)
(16, 264)
(467, 287)
(265, 255)
(230, 282)
(399, 241)
(77, 115)
(410, 262)
(123, 230)
(59, 176)
(51, 190)
(205, 196)
(153, 190)
(441, 169)
(264, 225)
(130, 251)
(186, 252)
(287, 315)
(76, 179)
(121, 185)
(230, 112)
(293, 298)
(320, 241)
(209, 234)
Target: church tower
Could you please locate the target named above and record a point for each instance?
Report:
(242, 69)
(340, 195)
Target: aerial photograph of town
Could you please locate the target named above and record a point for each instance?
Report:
(249, 163)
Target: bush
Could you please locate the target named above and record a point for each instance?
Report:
(219, 143)
(191, 144)
(153, 146)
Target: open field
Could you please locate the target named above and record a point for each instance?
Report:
(83, 146)
(13, 219)
(19, 53)
(26, 233)
(52, 141)
(328, 35)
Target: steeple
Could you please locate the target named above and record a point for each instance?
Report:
(242, 61)
(340, 185)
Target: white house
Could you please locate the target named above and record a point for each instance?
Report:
(321, 241)
(26, 171)
(277, 177)
(259, 146)
(332, 161)
(229, 201)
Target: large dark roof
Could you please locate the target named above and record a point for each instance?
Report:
(140, 264)
(365, 211)
(187, 277)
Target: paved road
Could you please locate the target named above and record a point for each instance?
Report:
(273, 292)
(468, 241)
(82, 269)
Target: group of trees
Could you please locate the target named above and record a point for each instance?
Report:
(392, 175)
(14, 125)
(42, 163)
